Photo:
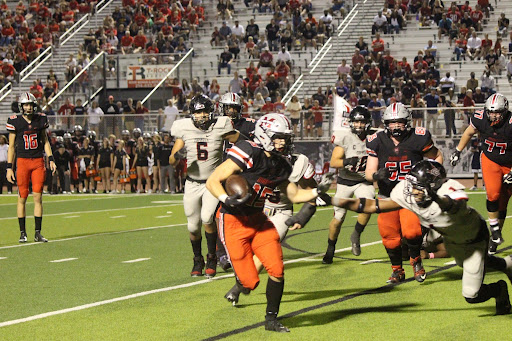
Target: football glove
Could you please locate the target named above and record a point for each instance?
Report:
(325, 183)
(181, 154)
(350, 164)
(305, 213)
(235, 200)
(381, 174)
(323, 199)
(455, 157)
(507, 179)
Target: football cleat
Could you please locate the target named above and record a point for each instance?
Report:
(23, 237)
(419, 271)
(496, 236)
(328, 257)
(493, 247)
(503, 300)
(224, 263)
(397, 276)
(197, 269)
(38, 237)
(211, 266)
(275, 326)
(355, 239)
(234, 293)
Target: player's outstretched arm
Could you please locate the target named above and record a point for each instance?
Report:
(337, 156)
(366, 205)
(178, 145)
(464, 140)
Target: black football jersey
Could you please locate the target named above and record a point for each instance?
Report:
(496, 142)
(88, 152)
(262, 173)
(245, 126)
(400, 158)
(29, 136)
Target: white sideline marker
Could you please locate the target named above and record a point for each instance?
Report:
(118, 216)
(62, 260)
(450, 263)
(136, 260)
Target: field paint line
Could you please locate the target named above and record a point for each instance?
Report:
(169, 212)
(71, 216)
(162, 216)
(371, 261)
(92, 235)
(90, 197)
(136, 260)
(3, 258)
(118, 216)
(95, 211)
(146, 293)
(450, 263)
(63, 260)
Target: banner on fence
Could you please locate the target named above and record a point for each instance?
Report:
(341, 111)
(145, 76)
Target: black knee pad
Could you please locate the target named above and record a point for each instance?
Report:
(493, 206)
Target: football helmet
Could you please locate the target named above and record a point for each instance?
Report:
(274, 126)
(67, 136)
(146, 135)
(136, 133)
(496, 108)
(397, 113)
(201, 112)
(360, 114)
(231, 100)
(59, 139)
(125, 132)
(25, 98)
(425, 177)
(91, 134)
(77, 128)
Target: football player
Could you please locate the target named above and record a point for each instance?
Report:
(203, 138)
(349, 157)
(441, 204)
(244, 229)
(28, 139)
(230, 105)
(391, 154)
(494, 124)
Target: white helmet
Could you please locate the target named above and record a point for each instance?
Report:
(231, 100)
(25, 98)
(496, 104)
(270, 127)
(397, 112)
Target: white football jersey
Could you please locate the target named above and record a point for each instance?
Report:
(353, 146)
(204, 148)
(458, 228)
(301, 169)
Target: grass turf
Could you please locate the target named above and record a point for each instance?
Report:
(345, 300)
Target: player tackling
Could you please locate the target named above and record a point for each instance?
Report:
(28, 141)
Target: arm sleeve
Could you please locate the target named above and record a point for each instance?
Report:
(175, 131)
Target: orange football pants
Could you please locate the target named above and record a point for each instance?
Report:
(27, 169)
(397, 224)
(492, 174)
(245, 236)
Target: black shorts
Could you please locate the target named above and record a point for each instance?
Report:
(142, 163)
(295, 121)
(119, 166)
(104, 164)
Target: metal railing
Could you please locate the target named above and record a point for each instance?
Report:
(5, 91)
(77, 26)
(34, 65)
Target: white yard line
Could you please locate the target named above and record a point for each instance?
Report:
(146, 293)
(450, 263)
(136, 260)
(118, 216)
(89, 197)
(71, 216)
(371, 261)
(3, 258)
(91, 235)
(162, 216)
(96, 211)
(62, 260)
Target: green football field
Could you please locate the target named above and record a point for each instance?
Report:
(117, 267)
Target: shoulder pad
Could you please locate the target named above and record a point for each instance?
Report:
(299, 168)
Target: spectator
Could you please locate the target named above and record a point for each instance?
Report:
(377, 45)
(417, 115)
(258, 103)
(320, 97)
(294, 108)
(236, 84)
(266, 59)
(318, 117)
(129, 115)
(447, 82)
(263, 90)
(353, 99)
(95, 116)
(252, 30)
(224, 31)
(488, 84)
(395, 22)
(171, 113)
(268, 107)
(309, 36)
(474, 45)
(234, 47)
(342, 90)
(343, 68)
(166, 170)
(460, 47)
(472, 82)
(364, 99)
(3, 165)
(380, 22)
(509, 69)
(375, 107)
(238, 30)
(111, 109)
(272, 32)
(225, 59)
(479, 96)
(363, 48)
(430, 47)
(503, 24)
(449, 116)
(214, 90)
(285, 56)
(432, 101)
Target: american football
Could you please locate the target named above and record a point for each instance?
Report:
(236, 184)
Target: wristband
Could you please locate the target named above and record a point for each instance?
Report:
(223, 197)
(431, 255)
(362, 203)
(51, 158)
(9, 165)
(377, 208)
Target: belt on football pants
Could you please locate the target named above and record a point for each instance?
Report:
(272, 211)
(194, 180)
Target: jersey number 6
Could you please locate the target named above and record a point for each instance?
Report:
(202, 154)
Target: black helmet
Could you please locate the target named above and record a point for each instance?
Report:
(360, 114)
(425, 176)
(198, 105)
